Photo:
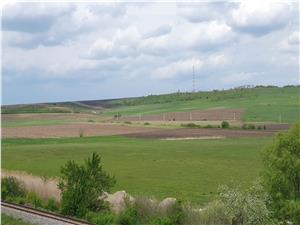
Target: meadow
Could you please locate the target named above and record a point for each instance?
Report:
(260, 104)
(187, 169)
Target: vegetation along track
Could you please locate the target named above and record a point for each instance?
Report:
(38, 216)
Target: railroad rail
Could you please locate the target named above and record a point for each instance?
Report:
(21, 211)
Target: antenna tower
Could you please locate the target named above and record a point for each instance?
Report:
(193, 78)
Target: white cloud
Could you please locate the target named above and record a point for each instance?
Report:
(260, 17)
(152, 42)
(291, 44)
(238, 78)
(184, 67)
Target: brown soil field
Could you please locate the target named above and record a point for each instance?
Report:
(199, 115)
(194, 133)
(53, 116)
(71, 130)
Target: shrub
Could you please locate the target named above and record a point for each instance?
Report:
(147, 123)
(213, 213)
(91, 121)
(251, 127)
(81, 185)
(245, 206)
(161, 221)
(129, 216)
(190, 125)
(11, 187)
(52, 205)
(176, 214)
(32, 199)
(225, 125)
(81, 132)
(147, 209)
(127, 122)
(102, 218)
(248, 127)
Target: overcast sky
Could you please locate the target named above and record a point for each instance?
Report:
(57, 52)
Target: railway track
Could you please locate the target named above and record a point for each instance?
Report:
(37, 216)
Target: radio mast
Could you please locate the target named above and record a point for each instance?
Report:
(194, 78)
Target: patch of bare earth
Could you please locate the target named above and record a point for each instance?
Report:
(72, 130)
(197, 133)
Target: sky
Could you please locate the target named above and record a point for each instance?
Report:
(79, 51)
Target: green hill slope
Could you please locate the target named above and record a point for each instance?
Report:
(260, 104)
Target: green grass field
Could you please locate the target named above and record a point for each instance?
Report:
(260, 104)
(187, 169)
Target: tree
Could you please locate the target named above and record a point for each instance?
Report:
(282, 175)
(82, 185)
(245, 207)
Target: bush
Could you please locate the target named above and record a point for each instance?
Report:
(103, 218)
(161, 221)
(176, 214)
(81, 132)
(81, 185)
(147, 123)
(245, 206)
(52, 205)
(91, 121)
(251, 127)
(35, 201)
(213, 213)
(129, 216)
(190, 125)
(127, 122)
(248, 127)
(147, 209)
(225, 125)
(11, 187)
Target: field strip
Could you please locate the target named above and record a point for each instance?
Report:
(194, 138)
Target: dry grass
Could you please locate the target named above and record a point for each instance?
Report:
(42, 187)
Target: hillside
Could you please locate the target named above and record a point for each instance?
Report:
(260, 104)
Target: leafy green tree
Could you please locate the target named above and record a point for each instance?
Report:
(282, 175)
(81, 186)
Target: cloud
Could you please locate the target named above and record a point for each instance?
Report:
(152, 44)
(260, 18)
(160, 31)
(291, 44)
(123, 44)
(205, 36)
(31, 17)
(239, 78)
(201, 12)
(185, 67)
